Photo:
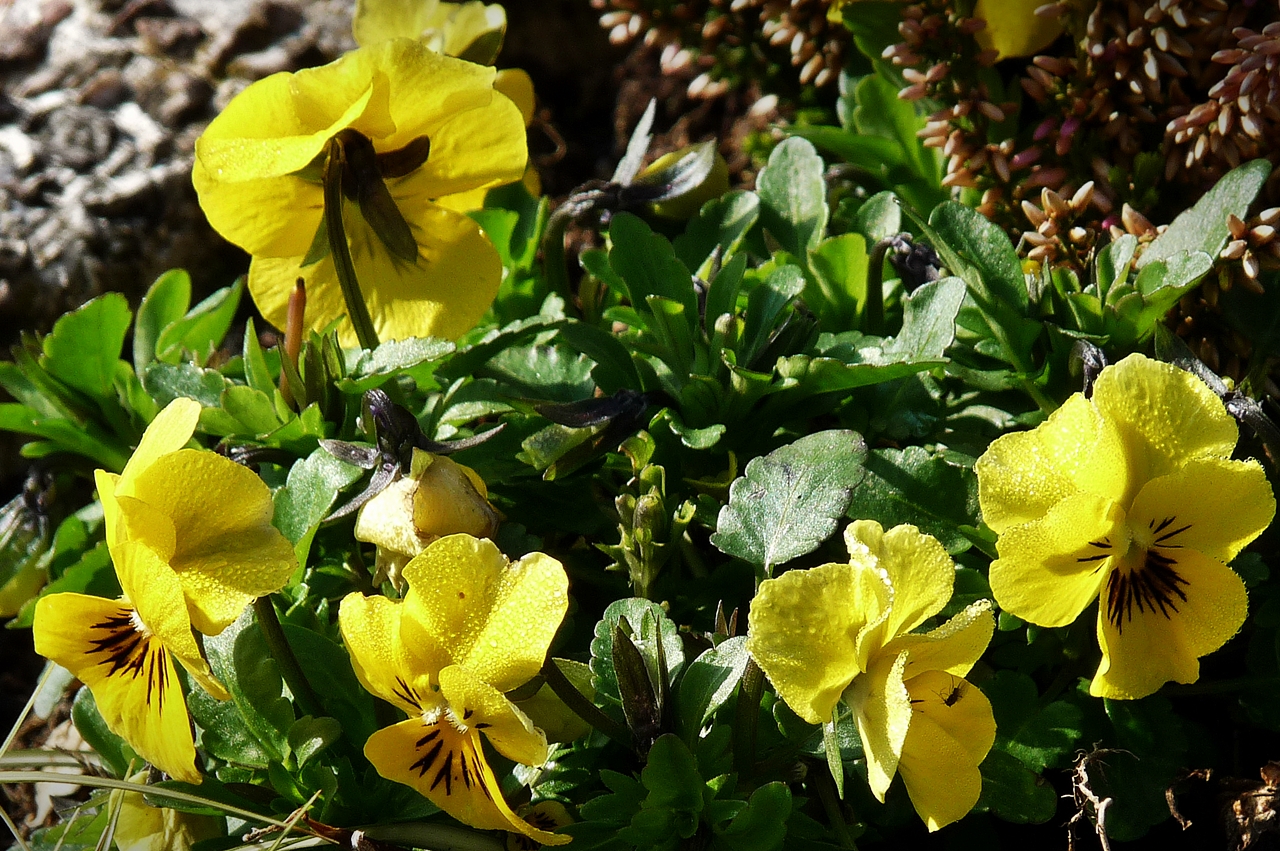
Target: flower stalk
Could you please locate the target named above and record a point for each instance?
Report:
(344, 268)
(265, 611)
(583, 708)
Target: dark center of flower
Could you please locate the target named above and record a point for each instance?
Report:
(450, 756)
(1149, 582)
(126, 650)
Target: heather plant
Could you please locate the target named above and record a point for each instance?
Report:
(786, 517)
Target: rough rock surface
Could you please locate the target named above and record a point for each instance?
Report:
(101, 102)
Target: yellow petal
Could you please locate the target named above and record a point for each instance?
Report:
(169, 431)
(1022, 475)
(448, 99)
(958, 707)
(943, 748)
(802, 630)
(447, 502)
(548, 712)
(1049, 571)
(1166, 417)
(518, 86)
(474, 31)
(131, 675)
(1013, 28)
(1150, 639)
(107, 484)
(1213, 506)
(482, 707)
(142, 523)
(443, 294)
(370, 628)
(379, 20)
(448, 767)
(249, 213)
(387, 519)
(495, 619)
(952, 648)
(882, 709)
(919, 569)
(145, 828)
(280, 124)
(228, 553)
(157, 594)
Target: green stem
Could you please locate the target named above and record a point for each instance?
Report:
(831, 806)
(283, 654)
(873, 310)
(357, 310)
(553, 259)
(13, 777)
(583, 708)
(744, 721)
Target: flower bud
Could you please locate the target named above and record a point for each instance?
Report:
(439, 497)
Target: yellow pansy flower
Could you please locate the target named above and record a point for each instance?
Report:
(439, 497)
(1129, 498)
(472, 30)
(471, 627)
(141, 827)
(410, 128)
(845, 631)
(1013, 27)
(191, 539)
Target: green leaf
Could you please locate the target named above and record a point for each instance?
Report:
(671, 776)
(694, 438)
(790, 501)
(114, 751)
(309, 492)
(164, 304)
(253, 408)
(309, 736)
(647, 263)
(880, 217)
(838, 289)
(1041, 737)
(328, 665)
(1204, 226)
(880, 112)
(69, 436)
(166, 382)
(224, 734)
(793, 196)
(926, 489)
(204, 327)
(1154, 744)
(241, 660)
(1113, 263)
(373, 368)
(550, 373)
(85, 344)
(765, 304)
(983, 247)
(614, 369)
(722, 223)
(257, 372)
(873, 152)
(761, 825)
(647, 621)
(722, 294)
(707, 683)
(929, 320)
(1014, 792)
